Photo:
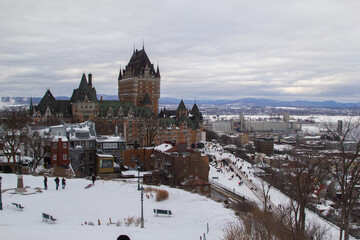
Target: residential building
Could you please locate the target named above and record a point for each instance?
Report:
(112, 145)
(264, 145)
(82, 138)
(177, 165)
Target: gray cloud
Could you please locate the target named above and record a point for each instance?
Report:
(206, 49)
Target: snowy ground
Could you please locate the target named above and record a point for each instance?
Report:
(106, 199)
(224, 178)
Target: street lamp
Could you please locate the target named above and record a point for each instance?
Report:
(142, 206)
(138, 168)
(138, 165)
(0, 194)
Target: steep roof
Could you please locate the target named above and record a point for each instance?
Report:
(196, 113)
(137, 64)
(48, 100)
(181, 106)
(147, 100)
(84, 90)
(55, 106)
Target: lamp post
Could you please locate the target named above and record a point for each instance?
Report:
(142, 208)
(138, 169)
(0, 194)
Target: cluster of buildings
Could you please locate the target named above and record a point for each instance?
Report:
(250, 125)
(96, 136)
(135, 115)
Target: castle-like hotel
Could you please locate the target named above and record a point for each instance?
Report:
(135, 115)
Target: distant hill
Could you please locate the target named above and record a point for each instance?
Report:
(264, 102)
(261, 102)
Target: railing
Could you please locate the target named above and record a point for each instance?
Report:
(237, 193)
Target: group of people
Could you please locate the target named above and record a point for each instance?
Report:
(57, 182)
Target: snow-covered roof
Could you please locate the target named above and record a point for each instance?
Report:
(57, 138)
(163, 147)
(283, 147)
(105, 155)
(110, 139)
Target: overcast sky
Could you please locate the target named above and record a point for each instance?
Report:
(231, 49)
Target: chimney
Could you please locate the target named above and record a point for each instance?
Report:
(90, 79)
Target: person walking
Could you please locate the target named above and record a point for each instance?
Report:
(63, 183)
(45, 182)
(57, 180)
(93, 178)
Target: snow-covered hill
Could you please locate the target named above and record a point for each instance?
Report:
(115, 199)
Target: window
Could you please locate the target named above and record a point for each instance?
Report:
(106, 163)
(54, 157)
(64, 145)
(54, 145)
(64, 156)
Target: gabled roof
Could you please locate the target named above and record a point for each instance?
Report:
(55, 106)
(84, 90)
(47, 101)
(147, 100)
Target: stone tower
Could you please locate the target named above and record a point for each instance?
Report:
(139, 82)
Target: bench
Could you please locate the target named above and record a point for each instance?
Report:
(47, 217)
(18, 206)
(161, 211)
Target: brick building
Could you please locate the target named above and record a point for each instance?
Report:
(178, 165)
(139, 83)
(264, 145)
(59, 151)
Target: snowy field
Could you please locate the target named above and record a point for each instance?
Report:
(117, 200)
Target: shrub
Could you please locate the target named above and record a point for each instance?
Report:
(245, 207)
(137, 221)
(161, 195)
(129, 221)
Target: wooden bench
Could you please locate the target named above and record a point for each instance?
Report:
(18, 206)
(47, 217)
(161, 211)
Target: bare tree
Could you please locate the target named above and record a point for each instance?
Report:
(149, 128)
(310, 170)
(39, 147)
(265, 193)
(346, 167)
(13, 133)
